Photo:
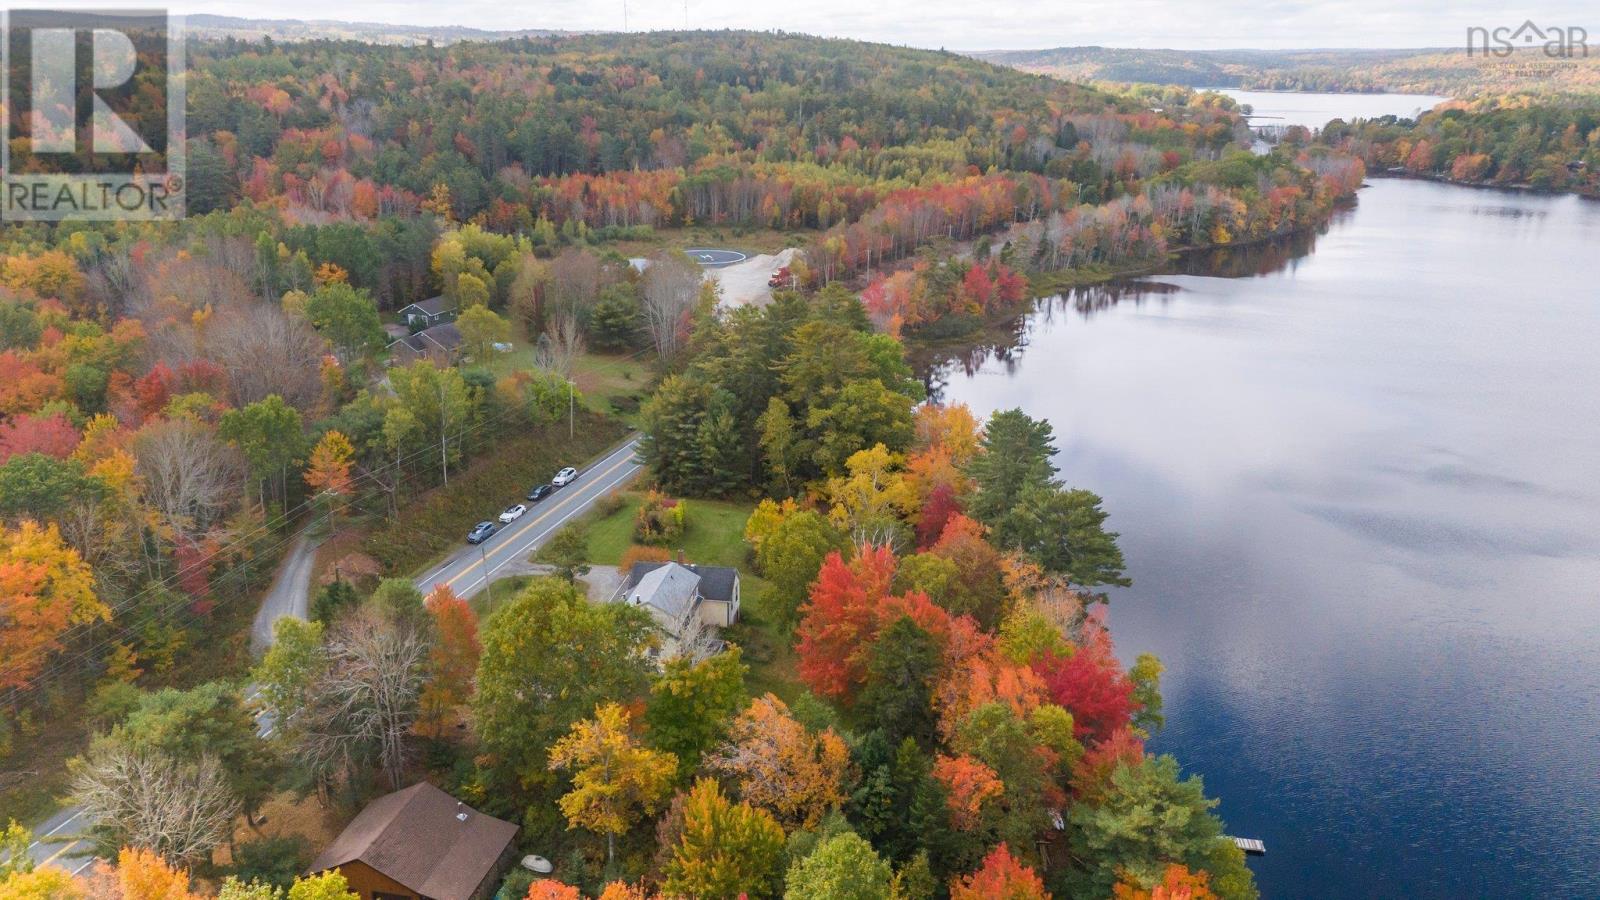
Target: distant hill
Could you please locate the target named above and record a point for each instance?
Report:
(1423, 70)
(211, 26)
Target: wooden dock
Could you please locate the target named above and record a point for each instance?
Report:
(1250, 846)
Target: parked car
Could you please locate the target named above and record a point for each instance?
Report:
(540, 492)
(512, 513)
(481, 532)
(564, 477)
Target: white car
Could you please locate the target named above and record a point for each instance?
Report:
(513, 513)
(564, 477)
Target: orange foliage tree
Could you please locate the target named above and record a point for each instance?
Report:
(782, 766)
(452, 661)
(550, 889)
(140, 875)
(1177, 883)
(45, 588)
(968, 783)
(328, 469)
(1001, 877)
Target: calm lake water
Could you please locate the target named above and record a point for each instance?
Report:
(1314, 110)
(1358, 486)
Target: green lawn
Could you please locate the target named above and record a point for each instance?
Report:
(713, 533)
(500, 592)
(611, 383)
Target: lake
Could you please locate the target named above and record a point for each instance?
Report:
(1313, 110)
(1356, 483)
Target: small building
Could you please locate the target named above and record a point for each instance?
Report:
(427, 313)
(421, 844)
(687, 601)
(441, 343)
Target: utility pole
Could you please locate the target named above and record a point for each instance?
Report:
(444, 436)
(488, 585)
(572, 407)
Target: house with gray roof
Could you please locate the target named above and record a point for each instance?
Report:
(441, 343)
(690, 602)
(427, 313)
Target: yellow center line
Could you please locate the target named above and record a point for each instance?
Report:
(531, 523)
(56, 855)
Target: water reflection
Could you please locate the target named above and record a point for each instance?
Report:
(1355, 480)
(1002, 344)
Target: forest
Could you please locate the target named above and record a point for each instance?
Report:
(1448, 72)
(180, 402)
(1547, 147)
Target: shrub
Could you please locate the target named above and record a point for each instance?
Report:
(639, 553)
(660, 519)
(609, 505)
(272, 860)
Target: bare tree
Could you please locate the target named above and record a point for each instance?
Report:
(574, 281)
(560, 345)
(671, 287)
(266, 351)
(151, 801)
(689, 636)
(363, 706)
(189, 474)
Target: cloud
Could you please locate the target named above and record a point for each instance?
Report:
(964, 25)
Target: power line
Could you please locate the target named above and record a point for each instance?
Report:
(66, 661)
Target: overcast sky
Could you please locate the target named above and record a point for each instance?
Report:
(973, 24)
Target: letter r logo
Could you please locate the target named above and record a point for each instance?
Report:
(55, 91)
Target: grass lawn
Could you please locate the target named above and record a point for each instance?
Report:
(501, 590)
(713, 533)
(611, 383)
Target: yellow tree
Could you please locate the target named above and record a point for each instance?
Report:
(141, 875)
(615, 780)
(43, 883)
(724, 850)
(870, 502)
(45, 588)
(781, 766)
(328, 469)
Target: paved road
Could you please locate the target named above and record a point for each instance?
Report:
(56, 841)
(464, 570)
(289, 594)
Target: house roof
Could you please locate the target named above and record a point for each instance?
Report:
(716, 582)
(425, 839)
(432, 306)
(444, 336)
(668, 588)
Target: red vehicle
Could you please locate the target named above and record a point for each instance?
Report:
(780, 278)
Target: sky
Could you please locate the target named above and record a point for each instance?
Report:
(969, 25)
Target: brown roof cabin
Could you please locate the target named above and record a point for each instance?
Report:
(421, 844)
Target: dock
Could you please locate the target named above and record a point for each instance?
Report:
(1251, 846)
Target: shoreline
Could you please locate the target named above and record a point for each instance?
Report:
(1519, 188)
